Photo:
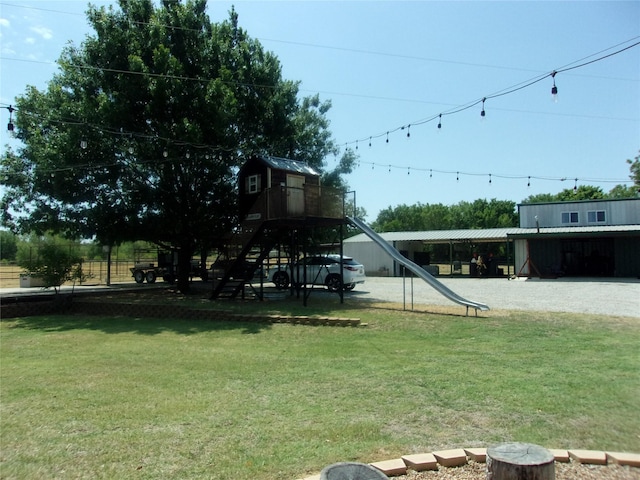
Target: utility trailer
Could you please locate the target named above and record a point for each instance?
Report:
(166, 267)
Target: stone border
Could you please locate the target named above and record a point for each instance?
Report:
(461, 456)
(141, 310)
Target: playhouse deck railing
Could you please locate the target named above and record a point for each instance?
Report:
(290, 202)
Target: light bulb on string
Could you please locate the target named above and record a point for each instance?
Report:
(387, 137)
(482, 113)
(408, 170)
(575, 186)
(528, 182)
(369, 141)
(489, 179)
(439, 122)
(430, 173)
(554, 89)
(165, 153)
(408, 132)
(10, 125)
(457, 176)
(83, 143)
(356, 144)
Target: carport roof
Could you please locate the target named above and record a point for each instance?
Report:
(444, 236)
(497, 234)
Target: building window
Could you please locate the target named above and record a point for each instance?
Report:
(569, 217)
(596, 216)
(253, 184)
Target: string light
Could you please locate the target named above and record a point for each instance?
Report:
(408, 132)
(554, 89)
(460, 173)
(83, 143)
(10, 124)
(554, 92)
(220, 151)
(524, 85)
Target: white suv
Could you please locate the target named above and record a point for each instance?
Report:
(320, 270)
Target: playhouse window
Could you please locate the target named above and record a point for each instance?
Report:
(253, 184)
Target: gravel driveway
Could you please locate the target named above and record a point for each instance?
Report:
(610, 296)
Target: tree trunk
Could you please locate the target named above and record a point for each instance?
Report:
(184, 268)
(203, 264)
(109, 265)
(520, 461)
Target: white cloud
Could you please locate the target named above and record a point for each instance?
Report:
(44, 32)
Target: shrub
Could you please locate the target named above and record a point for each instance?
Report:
(55, 265)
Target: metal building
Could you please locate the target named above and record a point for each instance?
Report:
(582, 238)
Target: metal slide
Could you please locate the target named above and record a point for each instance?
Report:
(415, 268)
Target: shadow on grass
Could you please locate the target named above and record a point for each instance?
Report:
(141, 326)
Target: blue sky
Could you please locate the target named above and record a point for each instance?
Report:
(389, 64)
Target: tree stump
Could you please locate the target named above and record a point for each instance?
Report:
(520, 461)
(351, 471)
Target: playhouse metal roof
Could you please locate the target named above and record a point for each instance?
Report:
(289, 165)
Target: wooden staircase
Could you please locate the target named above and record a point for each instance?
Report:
(247, 249)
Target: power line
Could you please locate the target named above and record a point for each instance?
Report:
(453, 110)
(325, 47)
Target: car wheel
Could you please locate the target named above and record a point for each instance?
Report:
(151, 276)
(349, 287)
(281, 280)
(138, 276)
(334, 284)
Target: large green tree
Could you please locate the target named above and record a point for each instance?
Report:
(582, 192)
(480, 213)
(140, 134)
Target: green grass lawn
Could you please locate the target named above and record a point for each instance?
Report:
(96, 397)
